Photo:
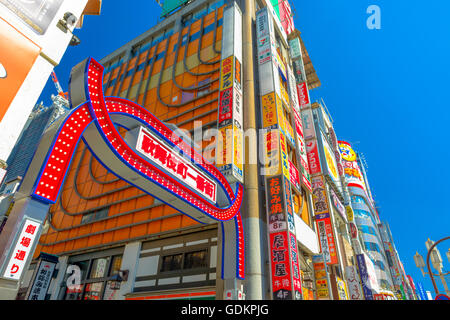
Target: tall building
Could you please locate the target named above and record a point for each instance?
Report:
(367, 220)
(232, 78)
(22, 154)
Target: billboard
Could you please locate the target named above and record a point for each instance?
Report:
(17, 56)
(353, 174)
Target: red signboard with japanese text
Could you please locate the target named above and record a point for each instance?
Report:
(313, 157)
(280, 266)
(327, 243)
(303, 97)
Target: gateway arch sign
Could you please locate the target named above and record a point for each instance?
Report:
(151, 157)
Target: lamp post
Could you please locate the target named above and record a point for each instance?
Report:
(436, 261)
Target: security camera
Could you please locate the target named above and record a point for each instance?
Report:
(74, 41)
(67, 21)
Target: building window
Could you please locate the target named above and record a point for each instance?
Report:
(95, 215)
(184, 261)
(171, 263)
(195, 259)
(96, 279)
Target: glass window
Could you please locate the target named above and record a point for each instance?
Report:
(111, 290)
(197, 259)
(172, 262)
(115, 265)
(74, 293)
(98, 269)
(203, 90)
(93, 291)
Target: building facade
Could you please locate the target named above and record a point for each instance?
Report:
(113, 241)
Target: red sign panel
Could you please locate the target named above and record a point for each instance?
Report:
(302, 91)
(279, 259)
(313, 157)
(226, 107)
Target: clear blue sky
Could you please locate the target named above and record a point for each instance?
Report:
(387, 91)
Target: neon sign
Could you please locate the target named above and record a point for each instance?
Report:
(160, 164)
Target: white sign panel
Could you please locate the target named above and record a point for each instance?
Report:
(42, 280)
(22, 250)
(175, 165)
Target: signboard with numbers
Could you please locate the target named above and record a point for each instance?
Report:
(22, 250)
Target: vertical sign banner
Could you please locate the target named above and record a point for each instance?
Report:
(42, 280)
(320, 201)
(275, 204)
(17, 57)
(320, 274)
(354, 287)
(312, 151)
(280, 266)
(327, 243)
(230, 148)
(22, 250)
(364, 276)
(285, 270)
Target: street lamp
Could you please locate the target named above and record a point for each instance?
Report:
(436, 260)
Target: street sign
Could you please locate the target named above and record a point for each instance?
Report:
(441, 297)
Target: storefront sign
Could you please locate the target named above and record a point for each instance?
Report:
(308, 124)
(22, 250)
(275, 204)
(41, 280)
(280, 266)
(342, 289)
(272, 164)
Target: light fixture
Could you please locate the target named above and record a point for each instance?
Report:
(418, 259)
(68, 21)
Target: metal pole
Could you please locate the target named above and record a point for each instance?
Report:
(253, 224)
(428, 263)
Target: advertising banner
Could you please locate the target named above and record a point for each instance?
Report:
(330, 160)
(353, 174)
(327, 244)
(271, 144)
(269, 111)
(320, 274)
(320, 202)
(364, 276)
(312, 151)
(275, 204)
(354, 287)
(308, 124)
(280, 266)
(230, 148)
(42, 279)
(294, 175)
(338, 204)
(17, 56)
(303, 95)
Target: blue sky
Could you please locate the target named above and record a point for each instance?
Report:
(387, 91)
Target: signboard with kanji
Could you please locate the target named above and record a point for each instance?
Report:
(22, 250)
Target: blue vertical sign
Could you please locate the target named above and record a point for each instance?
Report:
(364, 276)
(421, 292)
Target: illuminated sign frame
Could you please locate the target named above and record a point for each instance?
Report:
(93, 119)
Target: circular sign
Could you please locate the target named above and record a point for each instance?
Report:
(441, 297)
(347, 152)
